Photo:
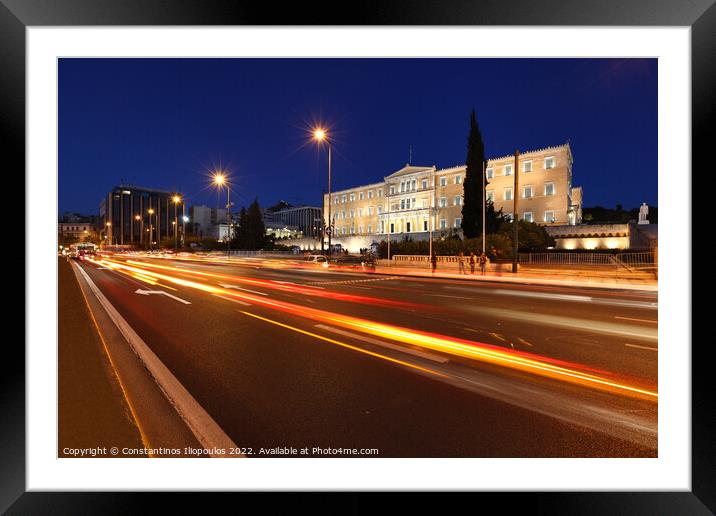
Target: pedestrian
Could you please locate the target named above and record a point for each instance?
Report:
(472, 262)
(461, 262)
(434, 261)
(483, 263)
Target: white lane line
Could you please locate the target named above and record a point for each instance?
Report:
(370, 340)
(232, 300)
(202, 425)
(161, 292)
(578, 299)
(635, 319)
(227, 285)
(641, 347)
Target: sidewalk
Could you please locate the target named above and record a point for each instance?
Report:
(534, 277)
(92, 409)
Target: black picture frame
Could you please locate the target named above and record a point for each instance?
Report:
(17, 15)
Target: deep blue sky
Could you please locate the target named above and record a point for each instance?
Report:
(164, 123)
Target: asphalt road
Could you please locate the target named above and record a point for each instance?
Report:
(283, 355)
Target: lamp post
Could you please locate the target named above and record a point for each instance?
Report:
(138, 218)
(176, 200)
(220, 180)
(484, 202)
(515, 217)
(109, 232)
(320, 136)
(151, 228)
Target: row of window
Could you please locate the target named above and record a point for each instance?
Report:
(549, 163)
(528, 216)
(361, 195)
(527, 192)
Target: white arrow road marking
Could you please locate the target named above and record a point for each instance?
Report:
(161, 292)
(226, 285)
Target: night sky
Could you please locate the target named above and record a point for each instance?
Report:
(166, 123)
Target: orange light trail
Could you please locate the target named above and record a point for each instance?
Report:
(479, 351)
(296, 289)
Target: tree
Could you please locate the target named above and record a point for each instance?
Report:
(256, 229)
(474, 188)
(251, 232)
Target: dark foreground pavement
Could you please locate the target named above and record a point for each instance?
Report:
(93, 412)
(271, 381)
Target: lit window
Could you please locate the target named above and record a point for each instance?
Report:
(508, 194)
(457, 201)
(380, 192)
(424, 184)
(458, 180)
(360, 196)
(443, 181)
(527, 192)
(370, 194)
(549, 216)
(443, 224)
(527, 216)
(458, 222)
(527, 166)
(549, 163)
(443, 202)
(508, 170)
(352, 197)
(392, 189)
(549, 188)
(343, 198)
(490, 173)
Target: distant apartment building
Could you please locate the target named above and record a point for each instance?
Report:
(130, 215)
(75, 231)
(417, 199)
(206, 222)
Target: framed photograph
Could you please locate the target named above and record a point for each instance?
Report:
(411, 249)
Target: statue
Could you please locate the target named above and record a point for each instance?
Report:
(643, 212)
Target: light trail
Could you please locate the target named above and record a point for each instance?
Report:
(291, 288)
(478, 351)
(343, 344)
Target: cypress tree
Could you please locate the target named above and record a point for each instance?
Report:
(473, 189)
(256, 229)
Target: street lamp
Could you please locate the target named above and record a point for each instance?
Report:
(219, 181)
(177, 200)
(320, 135)
(109, 232)
(138, 218)
(151, 228)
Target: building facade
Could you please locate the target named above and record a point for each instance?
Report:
(416, 200)
(134, 215)
(205, 222)
(305, 220)
(75, 232)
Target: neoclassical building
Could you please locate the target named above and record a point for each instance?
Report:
(416, 200)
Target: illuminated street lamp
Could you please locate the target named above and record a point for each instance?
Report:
(151, 228)
(177, 200)
(320, 135)
(138, 218)
(108, 236)
(219, 181)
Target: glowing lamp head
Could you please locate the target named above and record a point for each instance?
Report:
(151, 211)
(219, 179)
(319, 134)
(176, 199)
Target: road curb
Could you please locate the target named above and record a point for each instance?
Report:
(206, 431)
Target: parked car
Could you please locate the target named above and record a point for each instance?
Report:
(317, 259)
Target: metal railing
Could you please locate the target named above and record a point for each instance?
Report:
(637, 261)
